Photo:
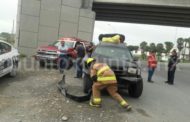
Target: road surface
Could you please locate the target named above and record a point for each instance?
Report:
(33, 97)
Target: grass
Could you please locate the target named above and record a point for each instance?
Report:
(22, 56)
(185, 61)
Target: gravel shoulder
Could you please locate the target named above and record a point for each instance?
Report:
(33, 97)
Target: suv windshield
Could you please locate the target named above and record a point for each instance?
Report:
(114, 52)
(68, 44)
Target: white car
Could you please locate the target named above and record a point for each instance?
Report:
(9, 58)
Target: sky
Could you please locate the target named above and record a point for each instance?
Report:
(134, 33)
(8, 11)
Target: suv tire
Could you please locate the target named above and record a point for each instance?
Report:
(42, 64)
(13, 73)
(135, 90)
(87, 83)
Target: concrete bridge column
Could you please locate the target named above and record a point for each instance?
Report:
(40, 22)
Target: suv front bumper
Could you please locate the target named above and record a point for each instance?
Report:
(44, 57)
(131, 79)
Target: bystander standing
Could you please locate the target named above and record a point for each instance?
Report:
(152, 64)
(172, 67)
(80, 55)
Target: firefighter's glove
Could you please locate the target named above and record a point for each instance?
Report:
(94, 78)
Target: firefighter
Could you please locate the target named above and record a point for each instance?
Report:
(103, 78)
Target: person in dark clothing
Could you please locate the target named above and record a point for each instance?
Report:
(80, 55)
(90, 49)
(172, 67)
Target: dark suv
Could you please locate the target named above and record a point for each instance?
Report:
(121, 61)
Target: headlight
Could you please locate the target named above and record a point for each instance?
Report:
(132, 70)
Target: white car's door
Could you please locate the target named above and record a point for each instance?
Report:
(6, 64)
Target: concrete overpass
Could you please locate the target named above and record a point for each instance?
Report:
(40, 22)
(162, 12)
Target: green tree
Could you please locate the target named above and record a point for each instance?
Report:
(143, 46)
(5, 34)
(130, 47)
(188, 41)
(185, 47)
(148, 48)
(133, 48)
(159, 49)
(169, 46)
(136, 48)
(8, 37)
(180, 46)
(180, 42)
(152, 47)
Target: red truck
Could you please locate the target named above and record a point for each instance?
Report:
(51, 53)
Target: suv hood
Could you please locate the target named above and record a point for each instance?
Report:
(117, 63)
(48, 48)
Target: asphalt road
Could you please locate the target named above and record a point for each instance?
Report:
(33, 97)
(163, 102)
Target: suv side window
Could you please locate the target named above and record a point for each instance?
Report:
(4, 48)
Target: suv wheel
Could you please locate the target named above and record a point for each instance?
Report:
(135, 90)
(14, 70)
(87, 83)
(42, 64)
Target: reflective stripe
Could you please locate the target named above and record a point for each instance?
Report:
(96, 100)
(107, 78)
(101, 70)
(89, 60)
(123, 103)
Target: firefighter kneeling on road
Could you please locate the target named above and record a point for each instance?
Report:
(103, 78)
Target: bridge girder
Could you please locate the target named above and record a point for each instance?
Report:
(146, 14)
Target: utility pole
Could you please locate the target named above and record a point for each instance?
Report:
(12, 32)
(13, 27)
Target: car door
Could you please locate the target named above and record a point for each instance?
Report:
(5, 58)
